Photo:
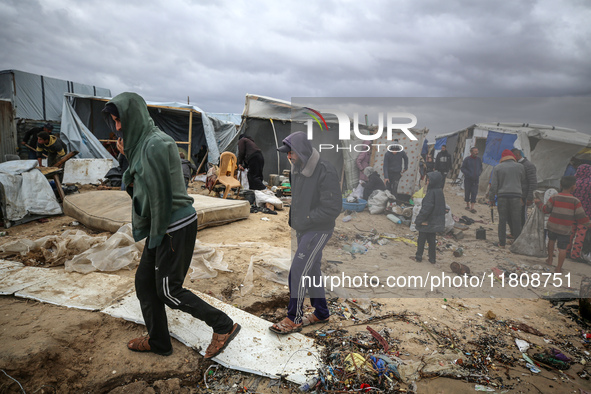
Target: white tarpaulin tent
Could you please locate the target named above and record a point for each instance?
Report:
(549, 148)
(270, 120)
(24, 190)
(83, 126)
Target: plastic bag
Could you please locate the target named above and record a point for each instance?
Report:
(267, 196)
(273, 265)
(531, 240)
(378, 200)
(206, 262)
(415, 211)
(449, 220)
(118, 252)
(358, 192)
(419, 193)
(243, 178)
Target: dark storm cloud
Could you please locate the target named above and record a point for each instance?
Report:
(216, 52)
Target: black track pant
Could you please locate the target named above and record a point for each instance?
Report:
(159, 282)
(430, 238)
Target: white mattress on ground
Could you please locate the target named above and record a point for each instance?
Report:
(108, 210)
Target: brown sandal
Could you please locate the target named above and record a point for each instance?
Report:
(310, 319)
(142, 344)
(286, 326)
(220, 341)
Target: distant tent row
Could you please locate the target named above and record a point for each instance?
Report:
(84, 129)
(270, 120)
(549, 148)
(30, 100)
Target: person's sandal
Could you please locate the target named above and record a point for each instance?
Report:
(220, 341)
(310, 319)
(142, 344)
(286, 326)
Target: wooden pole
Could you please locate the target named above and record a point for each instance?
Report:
(202, 161)
(190, 134)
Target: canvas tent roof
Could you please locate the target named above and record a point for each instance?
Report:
(83, 126)
(550, 148)
(270, 120)
(38, 97)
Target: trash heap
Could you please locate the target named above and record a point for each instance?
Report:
(375, 360)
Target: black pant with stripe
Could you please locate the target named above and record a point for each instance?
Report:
(159, 282)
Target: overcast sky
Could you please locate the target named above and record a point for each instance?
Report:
(217, 51)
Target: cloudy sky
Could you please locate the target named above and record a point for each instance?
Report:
(217, 51)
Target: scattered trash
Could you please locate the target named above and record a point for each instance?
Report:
(480, 387)
(266, 219)
(347, 218)
(394, 218)
(458, 252)
(459, 269)
(481, 233)
(310, 384)
(522, 345)
(3, 233)
(490, 315)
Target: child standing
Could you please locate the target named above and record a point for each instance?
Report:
(431, 217)
(565, 210)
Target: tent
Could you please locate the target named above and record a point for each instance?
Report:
(84, 128)
(34, 100)
(550, 148)
(270, 120)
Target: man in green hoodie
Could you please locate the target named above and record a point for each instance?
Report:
(163, 212)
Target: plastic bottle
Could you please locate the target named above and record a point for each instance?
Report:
(358, 248)
(394, 218)
(310, 384)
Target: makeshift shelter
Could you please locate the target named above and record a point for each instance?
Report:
(84, 128)
(34, 100)
(270, 120)
(550, 148)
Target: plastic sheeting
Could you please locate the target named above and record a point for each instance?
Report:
(77, 136)
(171, 117)
(26, 191)
(38, 97)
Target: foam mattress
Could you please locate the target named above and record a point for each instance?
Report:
(108, 210)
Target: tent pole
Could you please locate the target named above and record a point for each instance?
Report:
(276, 146)
(202, 162)
(190, 134)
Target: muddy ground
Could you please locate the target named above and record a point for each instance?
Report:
(47, 348)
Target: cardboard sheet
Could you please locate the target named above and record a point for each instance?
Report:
(255, 349)
(93, 291)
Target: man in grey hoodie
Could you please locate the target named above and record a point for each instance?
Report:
(316, 203)
(508, 185)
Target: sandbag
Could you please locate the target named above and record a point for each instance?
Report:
(531, 240)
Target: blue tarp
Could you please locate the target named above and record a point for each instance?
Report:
(439, 142)
(496, 143)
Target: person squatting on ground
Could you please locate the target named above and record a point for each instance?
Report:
(508, 184)
(471, 168)
(316, 203)
(565, 211)
(189, 169)
(374, 182)
(52, 146)
(163, 212)
(531, 182)
(431, 217)
(251, 157)
(443, 163)
(395, 164)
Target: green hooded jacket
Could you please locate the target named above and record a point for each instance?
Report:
(159, 195)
